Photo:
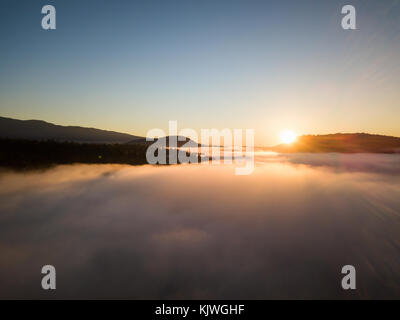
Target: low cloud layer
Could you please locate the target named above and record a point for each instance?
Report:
(194, 231)
(369, 163)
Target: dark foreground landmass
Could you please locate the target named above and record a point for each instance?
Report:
(28, 154)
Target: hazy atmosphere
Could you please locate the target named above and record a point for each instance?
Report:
(199, 149)
(131, 66)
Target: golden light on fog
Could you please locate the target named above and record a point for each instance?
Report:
(288, 136)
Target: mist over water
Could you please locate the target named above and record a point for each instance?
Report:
(199, 231)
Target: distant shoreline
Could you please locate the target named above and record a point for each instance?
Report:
(30, 154)
(22, 154)
(25, 154)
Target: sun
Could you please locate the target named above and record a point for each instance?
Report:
(288, 137)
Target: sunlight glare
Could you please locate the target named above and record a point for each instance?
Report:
(288, 137)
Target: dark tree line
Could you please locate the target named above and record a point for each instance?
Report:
(26, 154)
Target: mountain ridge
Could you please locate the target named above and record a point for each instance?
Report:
(39, 130)
(342, 142)
(42, 130)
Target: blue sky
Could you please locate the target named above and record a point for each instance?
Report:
(269, 65)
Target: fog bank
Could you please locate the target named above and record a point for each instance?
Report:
(195, 231)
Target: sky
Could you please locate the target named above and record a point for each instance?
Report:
(132, 66)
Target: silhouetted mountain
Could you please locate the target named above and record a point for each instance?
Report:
(342, 142)
(41, 130)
